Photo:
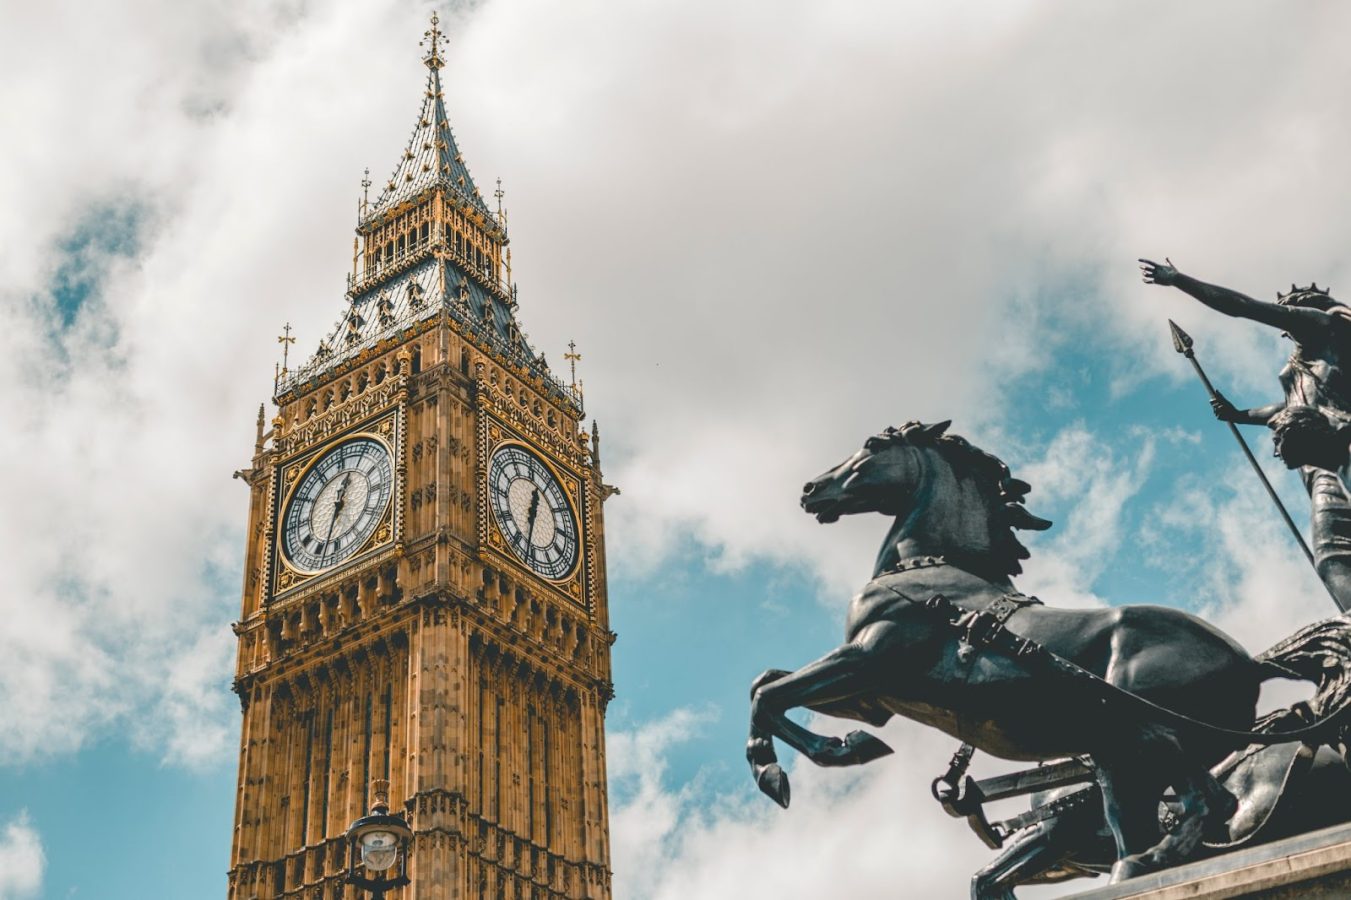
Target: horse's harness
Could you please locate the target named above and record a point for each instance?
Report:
(978, 629)
(987, 629)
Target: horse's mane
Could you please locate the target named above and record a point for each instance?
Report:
(992, 475)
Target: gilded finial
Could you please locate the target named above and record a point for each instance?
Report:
(380, 791)
(501, 213)
(286, 341)
(572, 356)
(365, 188)
(431, 39)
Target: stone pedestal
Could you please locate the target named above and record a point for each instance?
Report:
(1310, 866)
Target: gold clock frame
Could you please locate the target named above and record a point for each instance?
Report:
(495, 435)
(384, 429)
(497, 537)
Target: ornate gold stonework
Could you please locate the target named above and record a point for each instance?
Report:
(430, 655)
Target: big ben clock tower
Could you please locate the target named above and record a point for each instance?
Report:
(424, 593)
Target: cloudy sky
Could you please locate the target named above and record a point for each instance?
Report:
(772, 228)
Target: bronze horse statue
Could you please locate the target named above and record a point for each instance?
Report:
(1154, 696)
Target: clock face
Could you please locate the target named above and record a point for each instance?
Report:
(532, 512)
(337, 505)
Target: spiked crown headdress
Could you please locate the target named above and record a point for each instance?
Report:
(1313, 295)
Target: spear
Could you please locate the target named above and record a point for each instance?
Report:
(1182, 343)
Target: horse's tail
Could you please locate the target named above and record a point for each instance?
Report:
(1319, 653)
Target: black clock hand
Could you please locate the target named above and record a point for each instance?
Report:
(534, 512)
(337, 506)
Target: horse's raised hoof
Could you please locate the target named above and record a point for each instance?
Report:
(984, 886)
(858, 747)
(1130, 867)
(996, 894)
(854, 749)
(773, 781)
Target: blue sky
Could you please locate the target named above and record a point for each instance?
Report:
(772, 230)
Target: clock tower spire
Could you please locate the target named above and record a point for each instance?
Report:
(424, 597)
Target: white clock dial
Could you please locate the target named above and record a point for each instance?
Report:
(532, 512)
(337, 505)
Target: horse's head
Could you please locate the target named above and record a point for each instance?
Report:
(948, 496)
(881, 476)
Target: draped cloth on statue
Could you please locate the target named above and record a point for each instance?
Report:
(1317, 378)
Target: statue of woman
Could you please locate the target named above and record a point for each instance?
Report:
(1316, 377)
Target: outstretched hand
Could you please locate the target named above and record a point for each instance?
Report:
(1158, 273)
(1224, 410)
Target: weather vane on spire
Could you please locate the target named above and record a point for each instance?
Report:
(365, 188)
(431, 38)
(572, 356)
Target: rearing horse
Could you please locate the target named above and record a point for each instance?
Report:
(952, 543)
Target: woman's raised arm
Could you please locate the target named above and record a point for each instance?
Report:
(1302, 323)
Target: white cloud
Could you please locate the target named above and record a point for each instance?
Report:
(196, 717)
(650, 811)
(1094, 482)
(863, 216)
(22, 861)
(1258, 585)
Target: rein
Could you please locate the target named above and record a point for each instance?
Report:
(987, 629)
